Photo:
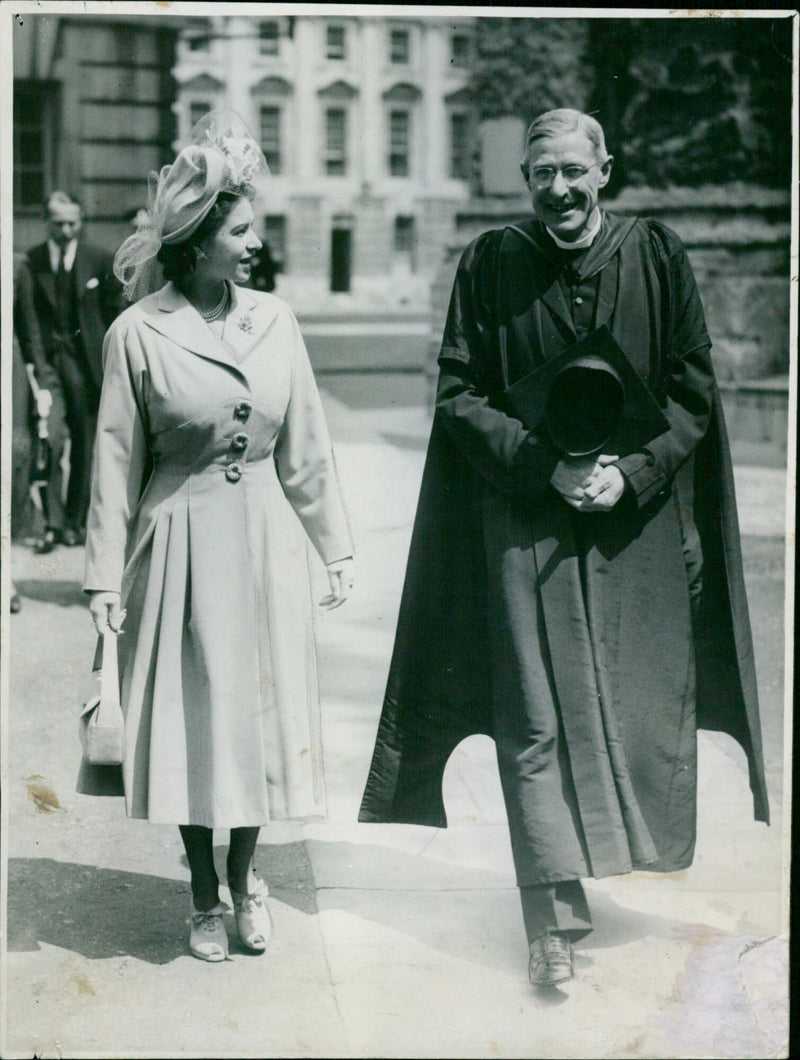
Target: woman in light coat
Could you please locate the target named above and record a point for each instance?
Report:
(209, 423)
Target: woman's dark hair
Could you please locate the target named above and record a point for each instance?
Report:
(179, 260)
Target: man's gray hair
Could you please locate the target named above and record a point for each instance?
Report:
(61, 198)
(559, 123)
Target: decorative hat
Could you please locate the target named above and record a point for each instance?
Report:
(589, 398)
(221, 156)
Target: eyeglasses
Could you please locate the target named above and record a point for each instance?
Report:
(544, 176)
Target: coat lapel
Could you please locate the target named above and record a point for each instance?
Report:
(613, 234)
(601, 258)
(39, 259)
(248, 321)
(180, 322)
(79, 267)
(553, 295)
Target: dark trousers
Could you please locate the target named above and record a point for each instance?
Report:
(561, 908)
(543, 819)
(74, 415)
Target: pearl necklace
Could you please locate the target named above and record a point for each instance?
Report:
(214, 314)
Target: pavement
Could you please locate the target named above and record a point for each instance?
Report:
(389, 940)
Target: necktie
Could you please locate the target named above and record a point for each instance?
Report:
(62, 293)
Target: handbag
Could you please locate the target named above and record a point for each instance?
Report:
(101, 723)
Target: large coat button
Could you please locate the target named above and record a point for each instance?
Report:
(240, 441)
(243, 410)
(233, 472)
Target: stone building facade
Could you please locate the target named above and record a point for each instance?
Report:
(365, 121)
(93, 114)
(366, 125)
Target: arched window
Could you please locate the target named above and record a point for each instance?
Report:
(336, 102)
(400, 108)
(271, 96)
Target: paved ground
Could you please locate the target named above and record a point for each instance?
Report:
(390, 941)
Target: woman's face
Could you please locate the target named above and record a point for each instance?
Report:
(230, 250)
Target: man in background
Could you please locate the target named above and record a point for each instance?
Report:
(264, 269)
(67, 297)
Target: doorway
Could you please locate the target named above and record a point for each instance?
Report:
(341, 258)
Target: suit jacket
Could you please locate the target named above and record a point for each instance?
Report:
(99, 300)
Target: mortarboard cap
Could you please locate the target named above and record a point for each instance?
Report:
(589, 398)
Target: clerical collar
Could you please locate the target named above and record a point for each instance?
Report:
(585, 240)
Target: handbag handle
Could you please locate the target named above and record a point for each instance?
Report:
(109, 671)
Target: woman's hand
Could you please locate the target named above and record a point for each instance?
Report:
(340, 575)
(106, 611)
(589, 484)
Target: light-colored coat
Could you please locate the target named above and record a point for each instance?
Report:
(200, 444)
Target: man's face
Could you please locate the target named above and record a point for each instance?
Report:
(565, 176)
(64, 221)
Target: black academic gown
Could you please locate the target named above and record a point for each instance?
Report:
(637, 660)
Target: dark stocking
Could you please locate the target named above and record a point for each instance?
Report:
(197, 841)
(241, 876)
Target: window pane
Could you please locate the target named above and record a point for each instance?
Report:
(459, 49)
(398, 46)
(268, 38)
(198, 110)
(335, 48)
(459, 147)
(199, 36)
(335, 141)
(403, 234)
(275, 236)
(399, 124)
(270, 135)
(30, 149)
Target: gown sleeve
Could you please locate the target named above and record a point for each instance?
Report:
(120, 458)
(305, 462)
(688, 381)
(496, 444)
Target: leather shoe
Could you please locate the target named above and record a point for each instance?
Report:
(550, 960)
(46, 543)
(14, 604)
(71, 537)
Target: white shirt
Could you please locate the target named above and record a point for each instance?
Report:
(69, 254)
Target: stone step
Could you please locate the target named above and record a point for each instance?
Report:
(757, 412)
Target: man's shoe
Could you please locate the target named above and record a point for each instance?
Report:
(550, 960)
(46, 543)
(14, 604)
(72, 537)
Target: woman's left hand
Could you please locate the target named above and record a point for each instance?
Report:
(340, 574)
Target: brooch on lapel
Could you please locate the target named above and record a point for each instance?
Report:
(246, 325)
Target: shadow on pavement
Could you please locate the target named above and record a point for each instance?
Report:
(98, 913)
(101, 913)
(448, 907)
(63, 593)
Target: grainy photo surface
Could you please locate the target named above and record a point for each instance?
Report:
(398, 459)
